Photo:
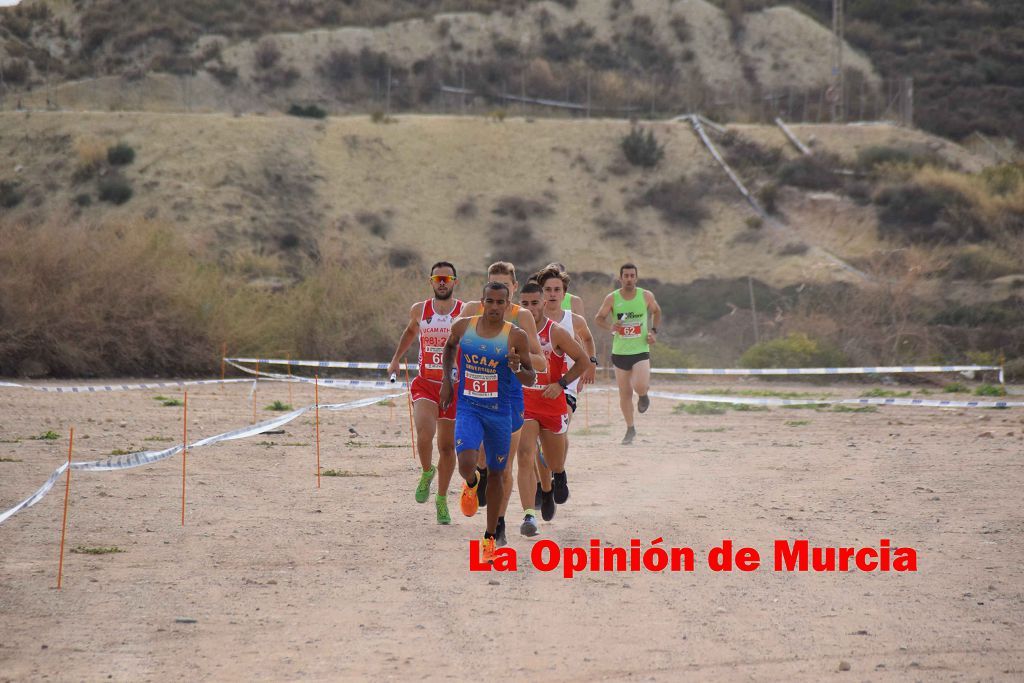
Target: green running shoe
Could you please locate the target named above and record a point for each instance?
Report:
(423, 490)
(442, 510)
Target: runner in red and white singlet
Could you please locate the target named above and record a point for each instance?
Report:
(431, 322)
(547, 413)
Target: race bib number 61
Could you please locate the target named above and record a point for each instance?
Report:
(481, 385)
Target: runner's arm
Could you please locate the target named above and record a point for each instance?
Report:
(586, 339)
(602, 315)
(407, 338)
(562, 340)
(655, 310)
(451, 347)
(529, 327)
(518, 339)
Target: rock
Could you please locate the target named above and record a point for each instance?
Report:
(985, 435)
(844, 666)
(493, 582)
(184, 620)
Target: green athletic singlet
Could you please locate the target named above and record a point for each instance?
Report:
(630, 324)
(567, 302)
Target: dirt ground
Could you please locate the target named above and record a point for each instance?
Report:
(355, 580)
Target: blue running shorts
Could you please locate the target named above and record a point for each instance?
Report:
(475, 427)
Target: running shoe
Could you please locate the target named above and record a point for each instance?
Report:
(499, 534)
(643, 403)
(529, 526)
(630, 435)
(547, 506)
(487, 551)
(537, 498)
(468, 501)
(481, 487)
(559, 487)
(423, 489)
(441, 503)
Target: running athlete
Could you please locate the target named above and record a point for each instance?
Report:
(505, 273)
(554, 282)
(547, 413)
(487, 347)
(570, 302)
(631, 345)
(431, 320)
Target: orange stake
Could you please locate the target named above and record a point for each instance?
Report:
(408, 399)
(316, 403)
(184, 455)
(64, 524)
(223, 355)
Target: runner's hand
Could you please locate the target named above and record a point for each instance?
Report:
(393, 368)
(446, 393)
(650, 338)
(515, 363)
(552, 391)
(589, 375)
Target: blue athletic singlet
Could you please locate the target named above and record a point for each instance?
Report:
(516, 404)
(485, 382)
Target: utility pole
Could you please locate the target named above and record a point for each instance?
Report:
(838, 90)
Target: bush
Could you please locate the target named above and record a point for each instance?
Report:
(339, 66)
(794, 249)
(910, 212)
(796, 350)
(516, 242)
(981, 263)
(376, 224)
(744, 154)
(10, 197)
(114, 189)
(120, 154)
(680, 203)
(813, 172)
(520, 209)
(404, 257)
(768, 195)
(310, 111)
(83, 200)
(16, 71)
(266, 54)
(641, 148)
(225, 75)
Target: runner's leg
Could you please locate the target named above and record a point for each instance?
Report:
(527, 460)
(425, 416)
(623, 379)
(446, 455)
(641, 379)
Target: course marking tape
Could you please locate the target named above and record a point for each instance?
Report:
(123, 462)
(334, 383)
(866, 370)
(746, 400)
(91, 389)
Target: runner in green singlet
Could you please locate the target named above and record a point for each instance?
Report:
(631, 348)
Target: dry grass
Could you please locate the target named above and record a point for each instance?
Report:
(90, 155)
(129, 298)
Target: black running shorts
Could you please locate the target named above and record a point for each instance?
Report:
(623, 362)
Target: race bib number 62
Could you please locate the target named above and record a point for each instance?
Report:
(630, 330)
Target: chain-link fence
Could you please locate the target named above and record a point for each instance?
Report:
(486, 88)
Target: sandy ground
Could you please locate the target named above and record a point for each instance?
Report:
(355, 579)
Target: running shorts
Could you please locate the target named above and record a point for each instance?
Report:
(491, 429)
(427, 390)
(626, 362)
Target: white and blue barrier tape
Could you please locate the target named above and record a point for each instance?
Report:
(332, 383)
(123, 462)
(91, 389)
(747, 400)
(866, 370)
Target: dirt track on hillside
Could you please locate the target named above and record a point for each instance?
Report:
(355, 580)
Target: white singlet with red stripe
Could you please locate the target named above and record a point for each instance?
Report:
(566, 324)
(434, 332)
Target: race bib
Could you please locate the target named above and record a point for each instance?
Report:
(480, 385)
(433, 357)
(630, 331)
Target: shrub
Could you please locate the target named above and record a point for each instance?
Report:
(16, 71)
(114, 189)
(794, 249)
(813, 172)
(768, 195)
(84, 199)
(516, 242)
(10, 197)
(404, 257)
(339, 66)
(981, 263)
(679, 202)
(990, 390)
(910, 212)
(225, 75)
(376, 224)
(520, 209)
(745, 154)
(120, 154)
(467, 209)
(279, 77)
(796, 350)
(641, 148)
(311, 111)
(266, 54)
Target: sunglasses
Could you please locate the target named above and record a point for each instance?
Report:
(445, 279)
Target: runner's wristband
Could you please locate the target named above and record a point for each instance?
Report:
(654, 330)
(562, 383)
(593, 359)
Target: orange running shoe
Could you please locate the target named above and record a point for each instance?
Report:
(468, 502)
(487, 551)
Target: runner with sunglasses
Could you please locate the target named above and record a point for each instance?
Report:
(431, 321)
